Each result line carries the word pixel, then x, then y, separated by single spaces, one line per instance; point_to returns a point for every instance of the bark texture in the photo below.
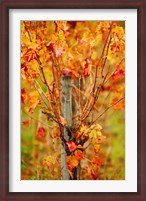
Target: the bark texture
pixel 66 106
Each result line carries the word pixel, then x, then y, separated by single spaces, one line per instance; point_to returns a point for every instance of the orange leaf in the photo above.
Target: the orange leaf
pixel 96 160
pixel 71 162
pixel 120 105
pixel 63 120
pixel 79 146
pixel 30 55
pixel 78 154
pixel 74 161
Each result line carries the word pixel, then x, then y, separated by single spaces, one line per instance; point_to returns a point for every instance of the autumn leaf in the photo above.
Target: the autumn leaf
pixel 95 134
pixel 85 136
pixel 98 127
pixel 97 140
pixel 78 154
pixel 37 45
pixel 96 160
pixel 74 161
pixel 30 55
pixel 71 145
pixel 24 96
pixel 59 51
pixel 120 105
pixel 84 129
pixel 50 46
pixel 26 123
pixel 78 135
pixel 63 120
pixel 41 132
pixel 49 161
pixel 92 134
pixel 118 74
pixel 92 54
pixel 86 68
pixel 86 72
pixel 96 148
pixel 79 146
pixel 71 162
pixel 69 72
pixel 34 105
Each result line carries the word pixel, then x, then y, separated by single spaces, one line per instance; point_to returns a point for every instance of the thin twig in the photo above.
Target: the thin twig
pixel 38 120
pixel 27 31
pixel 108 109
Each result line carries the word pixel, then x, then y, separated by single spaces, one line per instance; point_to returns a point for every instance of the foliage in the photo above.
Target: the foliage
pixel 92 53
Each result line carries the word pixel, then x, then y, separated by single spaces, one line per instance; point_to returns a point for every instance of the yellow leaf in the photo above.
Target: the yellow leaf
pixel 99 133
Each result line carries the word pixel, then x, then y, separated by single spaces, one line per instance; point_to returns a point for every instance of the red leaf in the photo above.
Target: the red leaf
pixel 71 145
pixel 86 72
pixel 50 46
pixel 85 135
pixel 118 74
pixel 23 91
pixel 86 68
pixel 41 132
pixel 26 123
pixel 23 96
pixel 23 66
pixel 22 99
pixel 87 63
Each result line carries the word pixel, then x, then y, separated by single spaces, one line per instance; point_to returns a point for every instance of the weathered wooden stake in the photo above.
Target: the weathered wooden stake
pixel 66 106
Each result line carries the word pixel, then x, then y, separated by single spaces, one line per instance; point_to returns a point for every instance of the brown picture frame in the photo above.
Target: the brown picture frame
pixel 6 5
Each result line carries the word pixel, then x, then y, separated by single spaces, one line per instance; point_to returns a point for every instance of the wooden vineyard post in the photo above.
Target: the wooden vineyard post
pixel 66 106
